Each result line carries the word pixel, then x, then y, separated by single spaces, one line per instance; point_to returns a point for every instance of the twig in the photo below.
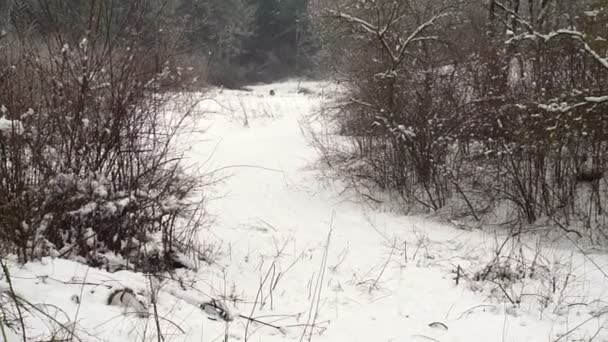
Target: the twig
pixel 580 325
pixel 153 300
pixel 257 298
pixel 251 319
pixel 458 273
pixel 375 284
pixel 319 284
pixel 475 307
pixel 504 292
pixel 79 304
pixel 14 297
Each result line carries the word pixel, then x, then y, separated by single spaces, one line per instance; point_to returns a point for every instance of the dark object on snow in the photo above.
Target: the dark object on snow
pixel 174 260
pixel 589 176
pixel 272 92
pixel 304 91
pixel 158 262
pixel 128 299
pixel 217 311
pixel 438 325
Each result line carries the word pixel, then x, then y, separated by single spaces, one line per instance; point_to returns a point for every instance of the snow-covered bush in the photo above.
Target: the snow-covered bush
pixel 513 117
pixel 87 124
pixel 395 66
pixel 543 139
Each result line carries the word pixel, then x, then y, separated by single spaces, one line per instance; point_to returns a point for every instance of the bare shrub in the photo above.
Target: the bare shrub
pixel 403 136
pixel 87 166
pixel 512 118
pixel 542 134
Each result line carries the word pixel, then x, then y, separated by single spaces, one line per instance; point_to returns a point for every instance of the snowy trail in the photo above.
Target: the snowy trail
pixel 370 292
pixel 385 277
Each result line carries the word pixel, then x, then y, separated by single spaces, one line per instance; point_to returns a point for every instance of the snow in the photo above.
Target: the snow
pixel 170 204
pixel 10 126
pixel 594 13
pixel 290 248
pixel 99 189
pixel 85 210
pixel 597 99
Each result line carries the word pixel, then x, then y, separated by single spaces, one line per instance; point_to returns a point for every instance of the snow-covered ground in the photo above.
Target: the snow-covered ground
pixel 290 249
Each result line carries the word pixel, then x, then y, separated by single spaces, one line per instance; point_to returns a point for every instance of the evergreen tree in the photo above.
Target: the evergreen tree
pixel 284 39
pixel 218 27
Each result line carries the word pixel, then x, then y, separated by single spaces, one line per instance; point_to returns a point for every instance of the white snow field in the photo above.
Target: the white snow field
pixel 314 264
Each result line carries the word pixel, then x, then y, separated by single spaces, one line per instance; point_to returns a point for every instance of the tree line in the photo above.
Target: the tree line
pixel 231 42
pixel 246 41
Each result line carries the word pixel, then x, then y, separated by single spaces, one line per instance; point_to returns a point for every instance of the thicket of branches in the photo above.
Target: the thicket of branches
pixel 475 105
pixel 87 121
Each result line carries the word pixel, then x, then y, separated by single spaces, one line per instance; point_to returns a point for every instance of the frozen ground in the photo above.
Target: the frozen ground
pixel 314 264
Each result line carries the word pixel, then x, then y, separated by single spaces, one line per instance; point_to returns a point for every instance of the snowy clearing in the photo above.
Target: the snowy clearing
pixel 291 251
